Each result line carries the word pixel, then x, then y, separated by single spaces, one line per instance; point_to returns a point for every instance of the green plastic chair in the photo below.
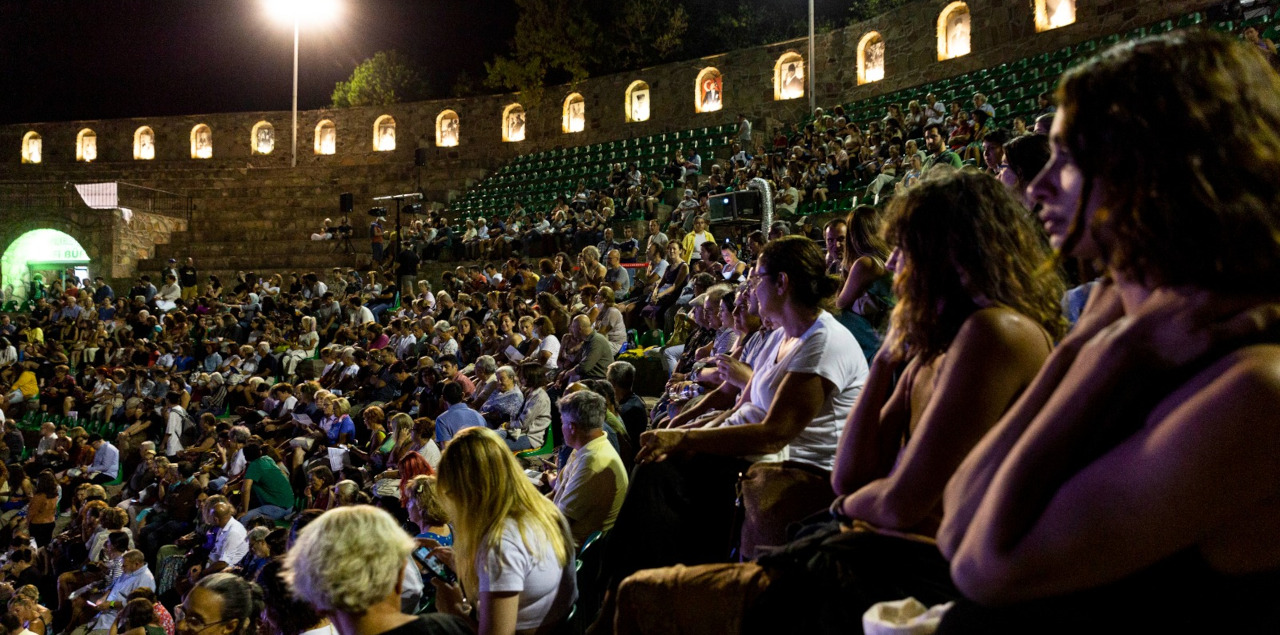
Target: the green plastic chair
pixel 119 477
pixel 548 447
pixel 653 338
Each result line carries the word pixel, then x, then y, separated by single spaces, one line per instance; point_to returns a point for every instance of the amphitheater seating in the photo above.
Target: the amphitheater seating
pixel 537 179
pixel 1012 89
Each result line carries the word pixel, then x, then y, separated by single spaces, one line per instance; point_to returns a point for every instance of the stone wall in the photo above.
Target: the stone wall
pixel 136 240
pixel 1002 31
pixel 240 199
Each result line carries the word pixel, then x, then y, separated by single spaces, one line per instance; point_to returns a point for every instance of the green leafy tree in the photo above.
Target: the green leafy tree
pixel 556 39
pixel 389 77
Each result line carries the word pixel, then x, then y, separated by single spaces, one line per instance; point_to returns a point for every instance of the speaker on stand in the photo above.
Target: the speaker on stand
pixel 346 205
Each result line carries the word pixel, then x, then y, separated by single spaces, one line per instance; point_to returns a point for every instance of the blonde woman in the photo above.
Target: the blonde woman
pixel 513 552
pixel 302 348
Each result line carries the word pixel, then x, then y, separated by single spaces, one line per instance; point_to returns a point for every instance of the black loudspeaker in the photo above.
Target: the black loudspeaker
pixel 733 206
pixel 347 202
pixel 420 157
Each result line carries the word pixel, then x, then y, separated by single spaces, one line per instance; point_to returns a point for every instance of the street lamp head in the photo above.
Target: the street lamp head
pixel 304 11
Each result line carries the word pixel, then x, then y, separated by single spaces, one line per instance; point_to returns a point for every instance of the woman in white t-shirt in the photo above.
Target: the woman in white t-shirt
pixel 548 351
pixel 609 319
pixel 806 379
pixel 512 548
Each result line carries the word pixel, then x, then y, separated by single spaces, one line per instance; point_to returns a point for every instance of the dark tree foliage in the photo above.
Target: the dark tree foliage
pixel 566 41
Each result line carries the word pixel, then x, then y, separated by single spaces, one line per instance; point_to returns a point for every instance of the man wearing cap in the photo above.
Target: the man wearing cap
pixel 685 210
pixel 445 341
pixel 171 268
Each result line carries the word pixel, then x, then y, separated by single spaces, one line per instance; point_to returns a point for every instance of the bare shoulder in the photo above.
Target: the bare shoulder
pixel 1002 328
pixel 867 263
pixel 1247 378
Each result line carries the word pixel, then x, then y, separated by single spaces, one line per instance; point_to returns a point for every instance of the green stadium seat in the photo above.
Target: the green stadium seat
pixel 1256 21
pixel 1190 20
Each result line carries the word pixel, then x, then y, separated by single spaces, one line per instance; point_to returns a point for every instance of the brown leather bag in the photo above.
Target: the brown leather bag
pixel 775 495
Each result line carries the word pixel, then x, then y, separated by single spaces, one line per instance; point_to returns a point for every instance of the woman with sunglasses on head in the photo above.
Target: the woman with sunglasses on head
pixel 1134 486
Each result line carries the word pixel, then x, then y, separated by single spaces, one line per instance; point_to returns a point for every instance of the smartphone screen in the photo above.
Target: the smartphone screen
pixel 434 564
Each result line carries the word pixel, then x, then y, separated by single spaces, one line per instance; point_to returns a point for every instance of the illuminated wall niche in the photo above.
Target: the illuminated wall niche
pixel 326 137
pixel 788 77
pixel 637 102
pixel 953 31
pixel 575 114
pixel 86 145
pixel 513 123
pixel 708 91
pixel 32 146
pixel 447 129
pixel 144 144
pixel 201 142
pixel 870 58
pixel 1051 14
pixel 262 138
pixel 384 134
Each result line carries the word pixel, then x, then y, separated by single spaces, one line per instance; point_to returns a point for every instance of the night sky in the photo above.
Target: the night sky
pixel 101 59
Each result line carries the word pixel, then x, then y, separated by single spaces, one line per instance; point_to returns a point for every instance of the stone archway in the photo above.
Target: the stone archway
pixel 35 251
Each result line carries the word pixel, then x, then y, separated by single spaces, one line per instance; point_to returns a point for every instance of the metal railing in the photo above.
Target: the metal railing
pixel 20 196
pixel 153 201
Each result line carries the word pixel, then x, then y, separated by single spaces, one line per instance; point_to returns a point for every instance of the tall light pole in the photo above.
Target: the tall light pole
pixel 293 159
pixel 297 11
pixel 812 63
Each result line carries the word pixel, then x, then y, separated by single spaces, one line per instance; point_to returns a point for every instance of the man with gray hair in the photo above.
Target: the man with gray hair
pixel 134 575
pixel 590 489
pixel 622 376
pixel 485 380
pixel 596 354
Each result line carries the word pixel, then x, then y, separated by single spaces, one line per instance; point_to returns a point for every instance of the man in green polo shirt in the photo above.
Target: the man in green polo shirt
pixel 265 484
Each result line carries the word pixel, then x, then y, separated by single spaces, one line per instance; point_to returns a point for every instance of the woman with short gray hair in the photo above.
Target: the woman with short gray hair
pixel 349 564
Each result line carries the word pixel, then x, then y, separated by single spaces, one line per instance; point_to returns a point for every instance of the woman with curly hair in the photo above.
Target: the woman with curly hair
pixel 976 317
pixel 1139 469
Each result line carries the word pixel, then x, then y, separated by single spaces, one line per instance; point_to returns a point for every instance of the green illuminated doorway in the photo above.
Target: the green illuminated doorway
pixel 47 254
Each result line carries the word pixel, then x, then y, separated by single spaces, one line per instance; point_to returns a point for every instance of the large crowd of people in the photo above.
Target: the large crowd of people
pixel 637 426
